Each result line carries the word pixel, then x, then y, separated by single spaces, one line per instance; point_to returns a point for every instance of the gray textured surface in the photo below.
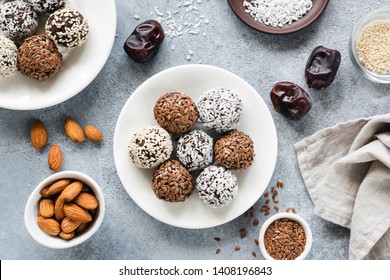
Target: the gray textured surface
pixel 128 232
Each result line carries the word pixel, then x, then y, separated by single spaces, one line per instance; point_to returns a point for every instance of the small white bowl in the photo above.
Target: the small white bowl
pixel 31 212
pixel 291 216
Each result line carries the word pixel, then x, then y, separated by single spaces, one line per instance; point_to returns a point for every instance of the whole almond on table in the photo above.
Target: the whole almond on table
pixel 38 135
pixel 75 212
pixel 54 158
pixel 69 225
pixel 93 133
pixel 74 130
pixel 71 191
pixel 50 226
pixel 46 208
pixel 86 201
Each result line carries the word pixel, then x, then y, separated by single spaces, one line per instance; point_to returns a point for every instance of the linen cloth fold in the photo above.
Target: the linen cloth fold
pixel 346 169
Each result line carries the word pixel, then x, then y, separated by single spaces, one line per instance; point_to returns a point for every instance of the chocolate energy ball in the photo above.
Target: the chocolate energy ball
pixel 217 186
pixel 39 57
pixel 150 146
pixel 219 109
pixel 176 112
pixel 68 28
pixel 47 6
pixel 234 150
pixel 172 182
pixel 18 20
pixel 8 58
pixel 195 150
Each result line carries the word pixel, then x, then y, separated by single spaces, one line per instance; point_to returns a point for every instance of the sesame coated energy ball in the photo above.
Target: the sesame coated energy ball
pixel 234 150
pixel 172 182
pixel 39 58
pixel 195 150
pixel 47 6
pixel 17 20
pixel 8 58
pixel 176 112
pixel 68 28
pixel 217 186
pixel 150 146
pixel 219 109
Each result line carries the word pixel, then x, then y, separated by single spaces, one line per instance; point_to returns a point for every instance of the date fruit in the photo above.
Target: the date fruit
pixel 321 67
pixel 290 100
pixel 144 43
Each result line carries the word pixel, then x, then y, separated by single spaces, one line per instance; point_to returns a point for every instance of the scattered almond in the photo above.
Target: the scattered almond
pixel 86 201
pixel 38 135
pixel 93 133
pixel 46 208
pixel 75 212
pixel 58 187
pixel 50 226
pixel 71 191
pixel 54 158
pixel 68 225
pixel 74 130
pixel 67 236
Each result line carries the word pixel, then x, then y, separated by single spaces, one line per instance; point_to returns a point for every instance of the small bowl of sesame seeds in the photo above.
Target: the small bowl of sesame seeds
pixel 369 46
pixel 285 236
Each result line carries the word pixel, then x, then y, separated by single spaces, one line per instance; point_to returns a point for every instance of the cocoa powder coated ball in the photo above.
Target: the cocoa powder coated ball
pixel 176 112
pixel 234 150
pixel 39 57
pixel 172 182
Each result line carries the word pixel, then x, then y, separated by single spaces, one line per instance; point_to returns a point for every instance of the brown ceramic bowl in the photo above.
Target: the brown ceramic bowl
pixel 317 9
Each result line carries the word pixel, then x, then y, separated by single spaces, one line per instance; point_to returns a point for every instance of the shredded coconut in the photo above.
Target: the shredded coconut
pixel 277 13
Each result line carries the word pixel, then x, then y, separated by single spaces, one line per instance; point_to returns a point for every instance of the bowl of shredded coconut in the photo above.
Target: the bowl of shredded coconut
pixel 278 16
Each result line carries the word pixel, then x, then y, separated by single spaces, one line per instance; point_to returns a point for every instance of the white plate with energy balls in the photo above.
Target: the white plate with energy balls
pixel 163 191
pixel 53 74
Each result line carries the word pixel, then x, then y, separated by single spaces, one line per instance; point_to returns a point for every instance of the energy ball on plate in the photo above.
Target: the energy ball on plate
pixel 68 28
pixel 195 150
pixel 39 57
pixel 220 109
pixel 176 112
pixel 47 6
pixel 8 58
pixel 234 150
pixel 172 182
pixel 18 20
pixel 217 186
pixel 150 146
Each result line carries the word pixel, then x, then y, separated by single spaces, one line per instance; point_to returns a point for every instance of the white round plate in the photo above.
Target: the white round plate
pixel 256 121
pixel 80 66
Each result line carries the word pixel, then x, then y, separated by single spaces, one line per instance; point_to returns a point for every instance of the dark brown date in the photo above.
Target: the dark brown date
pixel 144 43
pixel 290 100
pixel 321 67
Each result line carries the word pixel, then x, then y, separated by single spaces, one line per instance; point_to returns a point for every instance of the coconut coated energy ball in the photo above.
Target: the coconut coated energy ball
pixel 176 112
pixel 18 20
pixel 234 150
pixel 47 6
pixel 8 58
pixel 68 28
pixel 219 109
pixel 217 186
pixel 172 182
pixel 150 146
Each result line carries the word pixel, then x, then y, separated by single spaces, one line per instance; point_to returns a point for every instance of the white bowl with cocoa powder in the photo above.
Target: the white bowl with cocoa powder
pixel 285 236
pixel 97 214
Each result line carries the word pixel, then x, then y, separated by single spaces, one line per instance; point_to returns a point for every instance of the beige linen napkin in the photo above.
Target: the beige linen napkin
pixel 346 169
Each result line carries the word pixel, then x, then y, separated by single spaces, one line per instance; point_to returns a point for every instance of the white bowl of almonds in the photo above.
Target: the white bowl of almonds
pixel 64 210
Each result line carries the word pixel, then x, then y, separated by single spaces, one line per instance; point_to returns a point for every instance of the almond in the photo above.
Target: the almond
pixel 74 130
pixel 82 227
pixel 93 133
pixel 54 158
pixel 68 225
pixel 43 192
pixel 75 212
pixel 46 208
pixel 71 191
pixel 59 210
pixel 86 201
pixel 67 236
pixel 58 187
pixel 50 226
pixel 38 135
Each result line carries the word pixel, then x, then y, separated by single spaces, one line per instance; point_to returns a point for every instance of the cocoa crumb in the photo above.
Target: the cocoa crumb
pixel 266 195
pixel 256 242
pixel 218 251
pixel 276 201
pixel 293 210
pixel 280 184
pixel 276 208
pixel 255 222
pixel 237 248
pixel 288 210
pixel 217 239
pixel 267 201
pixel 254 254
pixel 243 233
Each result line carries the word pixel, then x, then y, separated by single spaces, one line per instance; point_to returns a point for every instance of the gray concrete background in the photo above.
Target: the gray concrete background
pixel 129 233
